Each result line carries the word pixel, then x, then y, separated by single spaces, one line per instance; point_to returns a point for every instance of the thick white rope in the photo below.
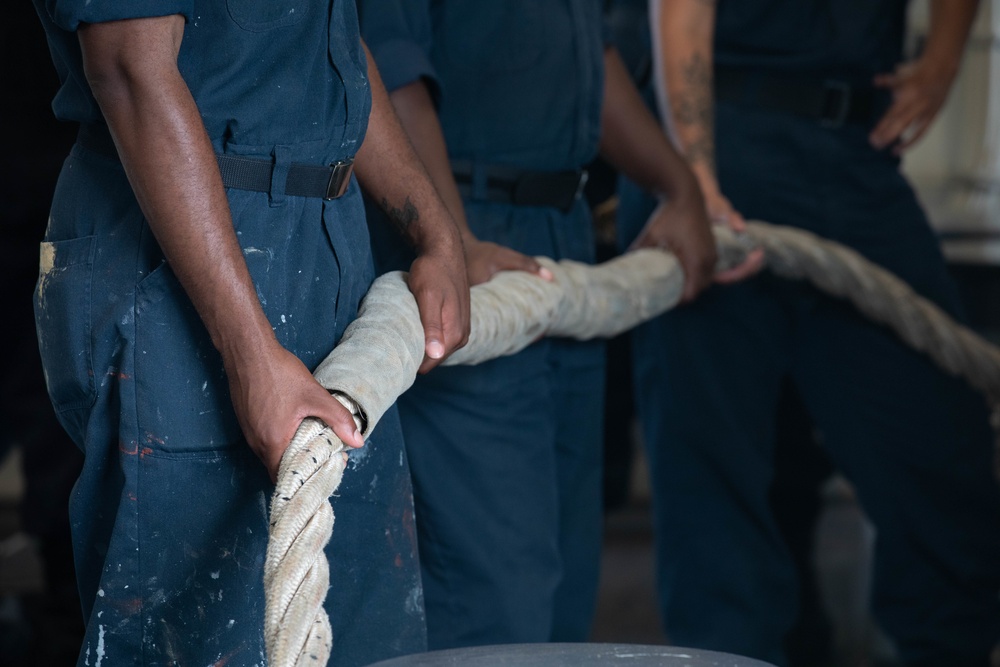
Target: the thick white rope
pixel 883 298
pixel 377 360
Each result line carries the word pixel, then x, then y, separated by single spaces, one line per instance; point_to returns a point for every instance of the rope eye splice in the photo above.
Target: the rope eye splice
pixel 378 356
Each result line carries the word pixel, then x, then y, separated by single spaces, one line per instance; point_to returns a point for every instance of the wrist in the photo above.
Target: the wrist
pixel 439 233
pixel 941 65
pixel 684 191
pixel 705 175
pixel 241 343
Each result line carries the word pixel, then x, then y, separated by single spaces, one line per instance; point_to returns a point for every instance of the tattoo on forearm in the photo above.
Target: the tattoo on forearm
pixel 693 109
pixel 403 218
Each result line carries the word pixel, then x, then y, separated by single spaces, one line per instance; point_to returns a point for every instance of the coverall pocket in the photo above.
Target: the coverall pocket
pixel 182 394
pixel 62 317
pixel 261 15
pixel 203 521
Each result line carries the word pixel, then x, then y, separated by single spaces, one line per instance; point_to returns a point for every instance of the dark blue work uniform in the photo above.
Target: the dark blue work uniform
pixel 915 442
pixel 170 514
pixel 506 456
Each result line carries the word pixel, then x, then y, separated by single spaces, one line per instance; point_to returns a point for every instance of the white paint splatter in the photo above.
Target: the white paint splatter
pixel 100 592
pixel 215 575
pixel 100 646
pixel 356 457
pixel 414 601
pixel 230 624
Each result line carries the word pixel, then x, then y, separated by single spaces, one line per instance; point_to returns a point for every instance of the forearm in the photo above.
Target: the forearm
pixel 388 168
pixel 633 141
pixel 418 117
pixel 392 174
pixel 950 23
pixel 682 39
pixel 172 169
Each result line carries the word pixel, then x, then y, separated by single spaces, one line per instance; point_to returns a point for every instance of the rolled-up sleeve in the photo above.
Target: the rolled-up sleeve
pixel 399 35
pixel 69 14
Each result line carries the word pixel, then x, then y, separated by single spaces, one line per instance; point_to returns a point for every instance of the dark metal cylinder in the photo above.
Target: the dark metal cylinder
pixel 572 655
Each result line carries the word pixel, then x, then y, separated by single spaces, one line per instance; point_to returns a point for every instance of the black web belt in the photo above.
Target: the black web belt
pixel 521 187
pixel 829 102
pixel 250 173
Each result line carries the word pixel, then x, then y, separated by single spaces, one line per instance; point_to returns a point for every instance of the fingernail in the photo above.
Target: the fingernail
pixel 435 350
pixel 545 274
pixel 359 440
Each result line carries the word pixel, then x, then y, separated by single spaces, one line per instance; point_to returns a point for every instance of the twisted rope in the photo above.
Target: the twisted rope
pixel 378 357
pixel 883 298
pixel 296 572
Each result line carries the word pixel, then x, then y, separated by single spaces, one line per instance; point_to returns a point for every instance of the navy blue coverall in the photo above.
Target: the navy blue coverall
pixel 170 514
pixel 915 442
pixel 506 456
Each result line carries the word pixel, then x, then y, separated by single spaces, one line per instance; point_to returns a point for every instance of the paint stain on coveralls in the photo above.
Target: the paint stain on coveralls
pixel 46 265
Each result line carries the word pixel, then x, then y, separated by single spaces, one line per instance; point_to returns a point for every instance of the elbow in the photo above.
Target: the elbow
pixel 123 60
pixel 109 80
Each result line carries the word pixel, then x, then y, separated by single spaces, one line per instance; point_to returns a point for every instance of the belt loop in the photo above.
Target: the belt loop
pixel 279 175
pixel 835 105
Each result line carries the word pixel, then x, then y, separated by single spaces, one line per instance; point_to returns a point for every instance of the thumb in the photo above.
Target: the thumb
pixel 434 335
pixel 736 222
pixel 531 265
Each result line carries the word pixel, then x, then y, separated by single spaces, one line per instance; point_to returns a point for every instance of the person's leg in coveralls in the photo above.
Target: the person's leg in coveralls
pixel 170 513
pixel 506 455
pixel 915 442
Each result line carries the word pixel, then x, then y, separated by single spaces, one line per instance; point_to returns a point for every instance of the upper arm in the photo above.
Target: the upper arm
pixel 129 52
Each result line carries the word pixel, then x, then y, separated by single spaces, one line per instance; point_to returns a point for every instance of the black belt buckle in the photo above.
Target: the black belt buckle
pixel 340 178
pixel 836 104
